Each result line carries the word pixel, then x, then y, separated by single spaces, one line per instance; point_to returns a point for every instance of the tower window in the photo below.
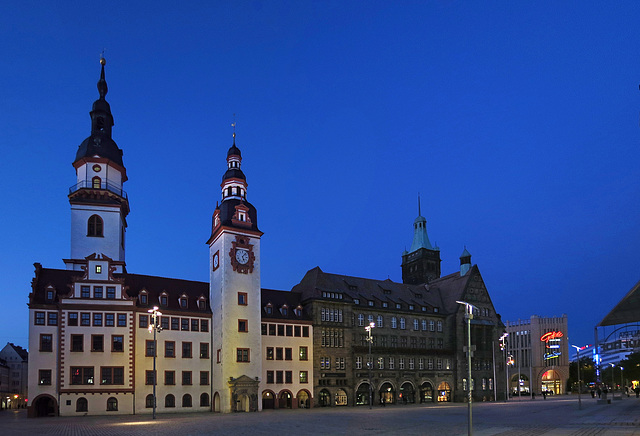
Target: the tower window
pixel 94 226
pixel 96 182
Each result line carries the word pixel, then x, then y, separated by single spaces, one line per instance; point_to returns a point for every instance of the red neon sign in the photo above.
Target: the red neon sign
pixel 551 335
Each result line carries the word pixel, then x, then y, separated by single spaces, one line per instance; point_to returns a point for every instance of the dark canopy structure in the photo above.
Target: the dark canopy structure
pixel 626 311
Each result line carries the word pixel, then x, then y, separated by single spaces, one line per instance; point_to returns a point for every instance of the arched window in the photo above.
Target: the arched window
pixel 169 401
pixel 96 182
pixel 94 226
pixel 204 400
pixel 81 405
pixel 112 404
pixel 186 400
pixel 148 402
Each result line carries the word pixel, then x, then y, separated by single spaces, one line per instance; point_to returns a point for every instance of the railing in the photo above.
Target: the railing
pixel 88 184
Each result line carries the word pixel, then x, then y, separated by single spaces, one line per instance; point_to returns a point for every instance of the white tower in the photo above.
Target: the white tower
pixel 99 206
pixel 234 253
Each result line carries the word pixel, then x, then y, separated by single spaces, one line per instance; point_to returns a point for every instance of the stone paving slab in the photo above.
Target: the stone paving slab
pixel 559 416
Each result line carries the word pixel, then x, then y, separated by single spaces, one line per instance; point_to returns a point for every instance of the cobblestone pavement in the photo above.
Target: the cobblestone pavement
pixel 551 417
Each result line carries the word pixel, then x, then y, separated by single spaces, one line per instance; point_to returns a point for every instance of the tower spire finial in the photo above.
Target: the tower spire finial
pixel 419 212
pixel 102 83
pixel 234 129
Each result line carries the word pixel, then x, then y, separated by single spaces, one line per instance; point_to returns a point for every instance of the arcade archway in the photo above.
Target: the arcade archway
pixel 426 393
pixel 444 392
pixel 552 382
pixel 44 405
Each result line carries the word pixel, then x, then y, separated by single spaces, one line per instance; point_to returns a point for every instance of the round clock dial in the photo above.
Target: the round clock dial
pixel 96 168
pixel 242 256
pixel 216 261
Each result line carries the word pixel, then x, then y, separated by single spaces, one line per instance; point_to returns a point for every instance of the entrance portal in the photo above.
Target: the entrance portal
pixel 44 406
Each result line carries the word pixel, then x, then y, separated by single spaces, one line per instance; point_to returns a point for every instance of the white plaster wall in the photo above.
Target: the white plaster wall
pixel 83 245
pixel 41 360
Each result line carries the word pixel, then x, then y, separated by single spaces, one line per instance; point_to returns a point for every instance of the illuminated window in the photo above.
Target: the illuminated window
pixel 112 405
pixel 44 377
pixel 96 182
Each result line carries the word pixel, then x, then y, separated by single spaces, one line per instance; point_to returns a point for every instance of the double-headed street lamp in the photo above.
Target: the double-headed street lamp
pixel 369 328
pixel 579 398
pixel 503 347
pixel 155 327
pixel 469 316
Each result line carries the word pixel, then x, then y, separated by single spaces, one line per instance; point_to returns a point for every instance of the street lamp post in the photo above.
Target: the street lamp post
pixel 503 347
pixel 621 380
pixel 579 398
pixel 369 328
pixel 469 316
pixel 613 382
pixel 156 328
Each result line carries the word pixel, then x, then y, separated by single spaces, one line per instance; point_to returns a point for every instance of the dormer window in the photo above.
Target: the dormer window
pixel 50 294
pixel 183 302
pixel 385 304
pixel 370 303
pixel 356 301
pixel 241 216
pixel 435 310
pixel 284 310
pixel 268 309
pixel 202 303
pixel 98 269
pixel 411 307
pixel 143 298
pixel 424 308
pixel 164 299
pixel 298 311
pixel 398 306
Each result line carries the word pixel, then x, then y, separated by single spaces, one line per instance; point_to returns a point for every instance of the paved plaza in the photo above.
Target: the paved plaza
pixel 553 416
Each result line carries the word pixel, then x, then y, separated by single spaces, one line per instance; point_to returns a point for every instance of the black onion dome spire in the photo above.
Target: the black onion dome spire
pixel 100 142
pixel 234 171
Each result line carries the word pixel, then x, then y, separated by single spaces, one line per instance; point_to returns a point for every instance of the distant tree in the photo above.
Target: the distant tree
pixel 587 372
pixel 631 367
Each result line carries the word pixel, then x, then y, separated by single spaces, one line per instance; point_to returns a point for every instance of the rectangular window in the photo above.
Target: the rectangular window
pixel 186 350
pixel 149 377
pixel 430 363
pixel 109 319
pixel 204 325
pixel 305 332
pixel 77 342
pixel 242 298
pixel 143 321
pixel 411 363
pixel 150 349
pixel 97 342
pixel 98 269
pixel 289 330
pixel 440 343
pixel 288 354
pixel 204 378
pixel 73 318
pixel 359 362
pixel 269 353
pixel 97 292
pixel 272 329
pixel 392 363
pixel 279 353
pixel 242 326
pixel 421 363
pixel 440 326
pixel 117 343
pixel 280 329
pixel 186 378
pixel 242 355
pixel 303 354
pixel 184 324
pixel 175 323
pixel 204 350
pixel 46 342
pixel 52 318
pixel 401 363
pixel 263 329
pixel 169 349
pixel 44 377
pixel 85 319
pixel 82 375
pixel 269 377
pixel 97 320
pixel 304 377
pixel 85 292
pixel 39 319
pixel 195 325
pixel 112 375
pixel 164 322
pixel 288 376
pixel 122 320
pixel 380 362
pixel 169 377
pixel 279 377
pixel 111 293
pixel 296 331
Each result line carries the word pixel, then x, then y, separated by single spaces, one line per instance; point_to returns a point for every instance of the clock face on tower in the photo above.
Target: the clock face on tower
pixel 216 260
pixel 242 256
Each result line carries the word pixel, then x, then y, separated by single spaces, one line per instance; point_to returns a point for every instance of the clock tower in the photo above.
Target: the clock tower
pixel 421 264
pixel 234 253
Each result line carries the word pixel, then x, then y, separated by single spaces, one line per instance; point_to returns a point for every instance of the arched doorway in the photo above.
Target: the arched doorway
pixel 325 398
pixel 243 403
pixel 216 402
pixel 268 400
pixel 303 400
pixel 387 394
pixel 341 397
pixel 551 381
pixel 44 405
pixel 285 400
pixel 407 393
pixel 519 385
pixel 444 392
pixel 426 393
pixel 362 394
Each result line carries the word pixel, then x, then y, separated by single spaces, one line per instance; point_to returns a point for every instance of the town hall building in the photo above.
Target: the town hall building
pixel 230 345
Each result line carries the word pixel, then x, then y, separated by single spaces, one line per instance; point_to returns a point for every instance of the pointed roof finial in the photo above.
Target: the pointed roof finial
pixel 419 212
pixel 234 129
pixel 102 83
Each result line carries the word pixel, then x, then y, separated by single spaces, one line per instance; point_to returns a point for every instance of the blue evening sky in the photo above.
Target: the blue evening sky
pixel 516 121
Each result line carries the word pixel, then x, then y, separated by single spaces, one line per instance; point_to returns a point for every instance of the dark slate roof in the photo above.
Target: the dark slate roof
pixel 626 311
pixel 228 209
pixel 100 144
pixel 278 299
pixel 24 354
pixel 439 293
pixel 233 173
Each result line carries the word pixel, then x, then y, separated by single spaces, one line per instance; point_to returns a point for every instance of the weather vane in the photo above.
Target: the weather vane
pixel 102 59
pixel 234 126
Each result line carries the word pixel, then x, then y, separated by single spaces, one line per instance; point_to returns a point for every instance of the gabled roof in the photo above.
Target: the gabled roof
pixel 21 352
pixel 626 311
pixel 441 293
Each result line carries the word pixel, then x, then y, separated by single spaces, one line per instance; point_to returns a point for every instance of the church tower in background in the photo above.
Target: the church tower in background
pixel 421 264
pixel 99 205
pixel 234 253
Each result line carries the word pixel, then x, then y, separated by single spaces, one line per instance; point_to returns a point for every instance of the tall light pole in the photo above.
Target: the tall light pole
pixel 369 328
pixel 621 380
pixel 503 347
pixel 579 398
pixel 613 382
pixel 156 328
pixel 469 316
